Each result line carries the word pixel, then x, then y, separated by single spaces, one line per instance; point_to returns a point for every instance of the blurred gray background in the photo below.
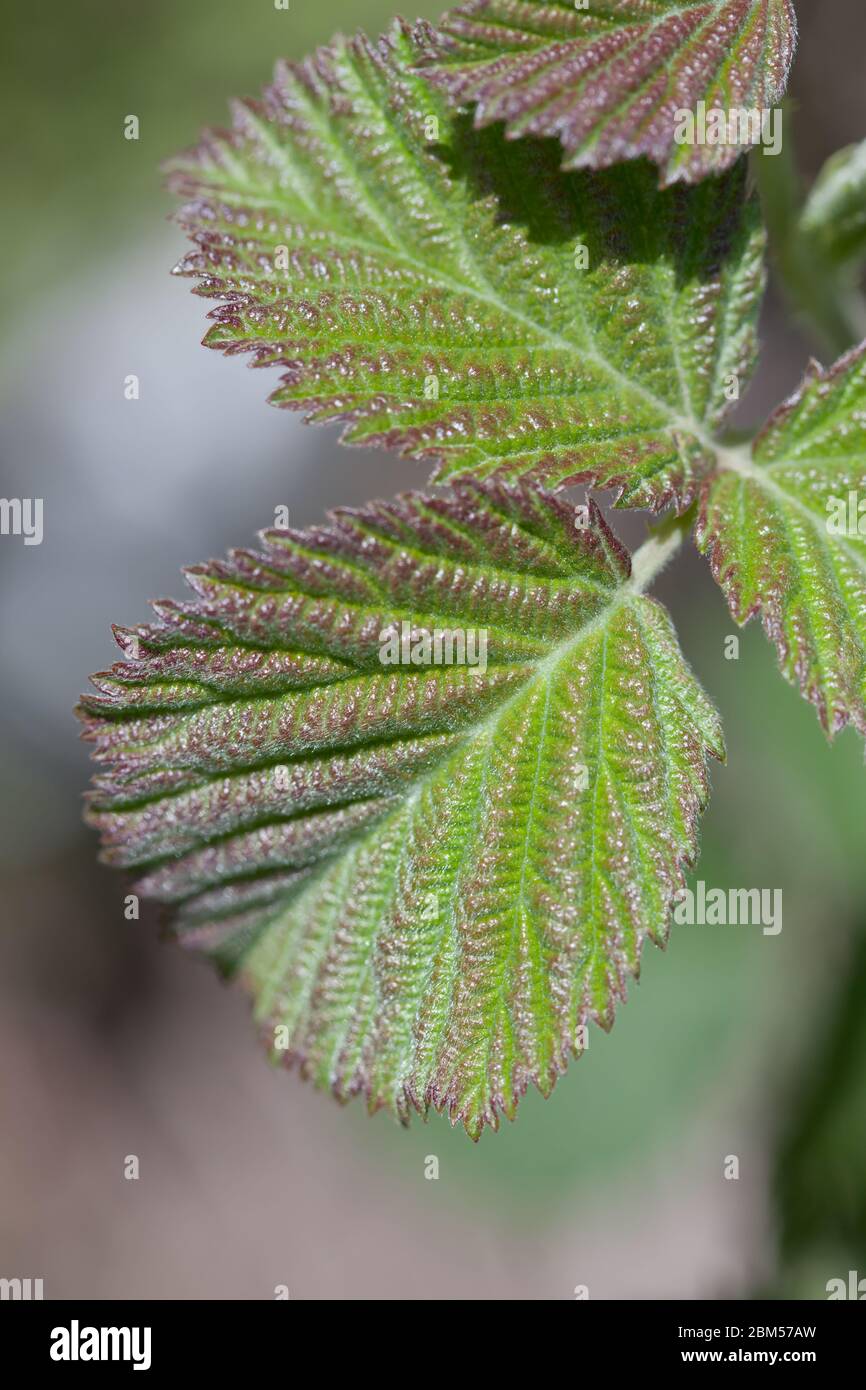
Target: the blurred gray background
pixel 112 1043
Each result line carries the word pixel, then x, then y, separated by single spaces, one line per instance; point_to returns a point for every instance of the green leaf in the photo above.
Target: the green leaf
pixel 607 80
pixel 835 212
pixel 785 530
pixel 433 296
pixel 430 876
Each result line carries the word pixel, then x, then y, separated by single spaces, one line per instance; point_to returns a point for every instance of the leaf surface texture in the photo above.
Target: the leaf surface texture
pixel 431 877
pixel 608 80
pixel 458 298
pixel 785 531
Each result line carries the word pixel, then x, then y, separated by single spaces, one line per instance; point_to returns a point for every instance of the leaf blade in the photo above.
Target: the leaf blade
pixel 407 869
pixel 431 300
pixel 835 211
pixel 782 535
pixel 607 81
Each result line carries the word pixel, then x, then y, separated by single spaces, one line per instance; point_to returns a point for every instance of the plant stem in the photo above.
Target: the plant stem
pixel 659 549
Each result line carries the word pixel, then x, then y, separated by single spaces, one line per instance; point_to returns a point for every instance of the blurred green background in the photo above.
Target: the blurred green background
pixel 113 1044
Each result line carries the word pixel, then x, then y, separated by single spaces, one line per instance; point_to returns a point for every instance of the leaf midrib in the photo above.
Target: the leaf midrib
pixel 760 474
pixel 482 729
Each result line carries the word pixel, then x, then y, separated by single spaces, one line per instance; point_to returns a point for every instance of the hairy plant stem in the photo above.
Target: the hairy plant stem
pixel 833 307
pixel 659 549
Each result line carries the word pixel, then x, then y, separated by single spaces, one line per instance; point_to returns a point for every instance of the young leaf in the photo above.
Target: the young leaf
pixel 461 300
pixel 785 531
pixel 835 213
pixel 609 79
pixel 430 876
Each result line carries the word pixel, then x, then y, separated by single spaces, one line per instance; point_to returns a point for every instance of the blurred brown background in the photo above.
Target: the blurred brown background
pixel 114 1044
